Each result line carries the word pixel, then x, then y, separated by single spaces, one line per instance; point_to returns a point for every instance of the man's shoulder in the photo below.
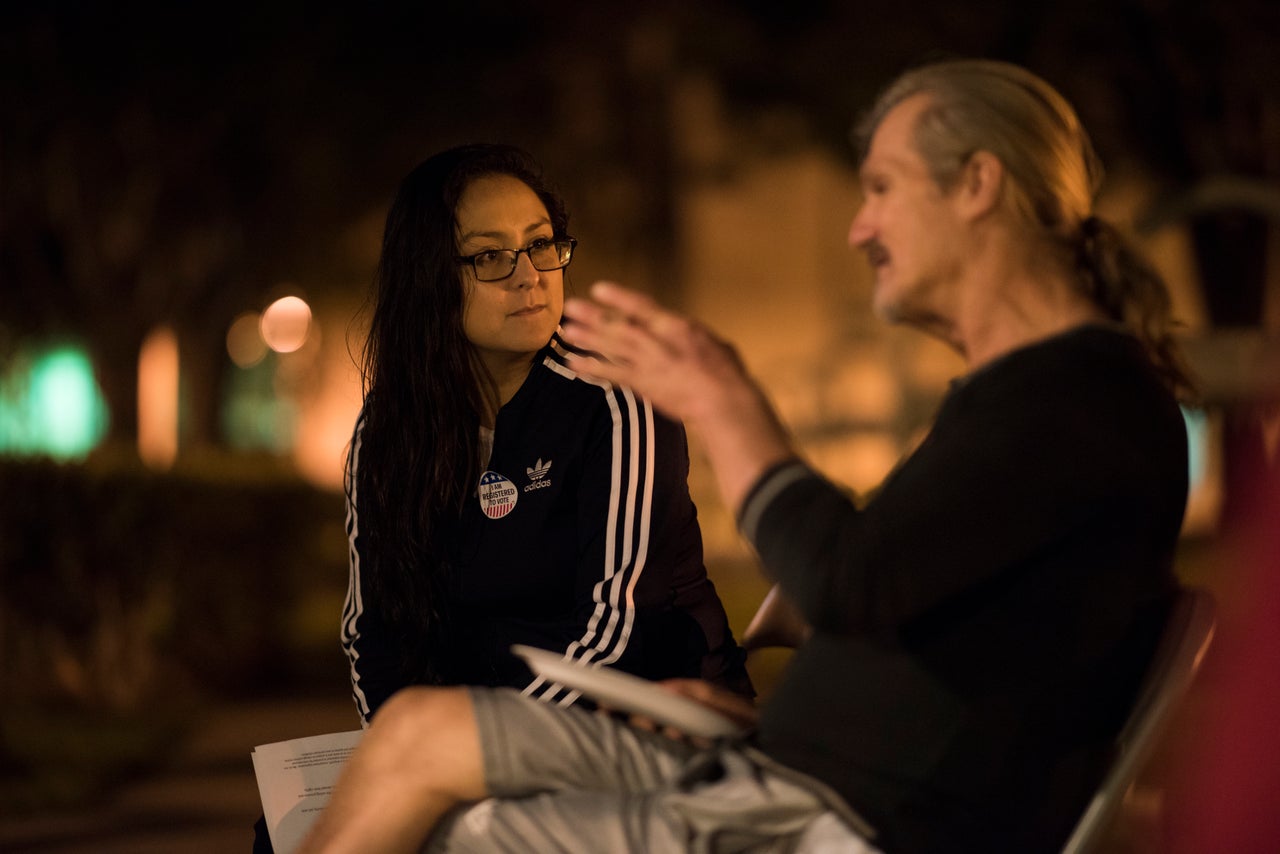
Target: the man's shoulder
pixel 1093 358
pixel 1093 380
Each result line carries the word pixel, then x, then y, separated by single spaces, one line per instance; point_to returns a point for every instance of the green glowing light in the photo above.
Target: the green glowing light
pixel 50 404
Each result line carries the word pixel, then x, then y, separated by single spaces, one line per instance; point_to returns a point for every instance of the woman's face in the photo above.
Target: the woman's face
pixel 510 319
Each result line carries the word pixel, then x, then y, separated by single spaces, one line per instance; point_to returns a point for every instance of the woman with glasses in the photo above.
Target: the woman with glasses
pixel 494 497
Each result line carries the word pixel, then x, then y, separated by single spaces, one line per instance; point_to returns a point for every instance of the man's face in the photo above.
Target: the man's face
pixel 906 225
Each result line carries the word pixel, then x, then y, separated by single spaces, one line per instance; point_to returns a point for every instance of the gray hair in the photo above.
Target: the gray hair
pixel 985 105
pixel 1054 174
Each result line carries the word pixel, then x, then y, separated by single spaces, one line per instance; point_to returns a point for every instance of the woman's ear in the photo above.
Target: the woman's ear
pixel 981 183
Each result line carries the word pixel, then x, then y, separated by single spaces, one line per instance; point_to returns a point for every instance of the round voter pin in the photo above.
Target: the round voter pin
pixel 497 495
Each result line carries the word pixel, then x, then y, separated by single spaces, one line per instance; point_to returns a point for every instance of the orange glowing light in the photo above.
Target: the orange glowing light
pixel 285 324
pixel 158 399
pixel 244 342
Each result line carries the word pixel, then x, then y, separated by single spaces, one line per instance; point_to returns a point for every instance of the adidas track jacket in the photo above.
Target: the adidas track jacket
pixel 580 537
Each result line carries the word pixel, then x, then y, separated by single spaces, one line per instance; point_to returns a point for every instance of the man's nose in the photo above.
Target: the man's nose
pixel 860 230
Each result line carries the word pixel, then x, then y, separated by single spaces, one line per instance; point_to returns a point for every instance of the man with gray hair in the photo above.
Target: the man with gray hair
pixel 979 627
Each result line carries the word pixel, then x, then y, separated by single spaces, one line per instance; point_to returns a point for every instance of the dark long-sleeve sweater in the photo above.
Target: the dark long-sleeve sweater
pixel 981 625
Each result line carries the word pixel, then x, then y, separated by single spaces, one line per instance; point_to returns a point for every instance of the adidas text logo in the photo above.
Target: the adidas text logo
pixel 538 475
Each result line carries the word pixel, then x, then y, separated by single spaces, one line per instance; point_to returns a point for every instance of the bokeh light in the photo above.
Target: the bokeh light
pixel 244 340
pixel 53 407
pixel 158 381
pixel 286 324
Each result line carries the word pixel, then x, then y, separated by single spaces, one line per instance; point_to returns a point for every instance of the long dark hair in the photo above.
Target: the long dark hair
pixel 424 392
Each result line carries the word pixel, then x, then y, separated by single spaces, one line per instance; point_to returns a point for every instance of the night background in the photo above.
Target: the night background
pixel 179 166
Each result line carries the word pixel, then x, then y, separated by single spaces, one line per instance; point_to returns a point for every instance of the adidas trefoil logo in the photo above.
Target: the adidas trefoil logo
pixel 538 475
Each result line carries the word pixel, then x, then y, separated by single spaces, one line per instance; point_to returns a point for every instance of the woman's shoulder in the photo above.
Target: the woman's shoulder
pixel 560 393
pixel 557 373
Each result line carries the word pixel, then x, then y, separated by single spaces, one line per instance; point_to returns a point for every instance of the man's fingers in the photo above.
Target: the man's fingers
pixel 610 305
pixel 635 306
pixel 614 338
pixel 615 308
pixel 731 705
pixel 609 371
pixel 583 312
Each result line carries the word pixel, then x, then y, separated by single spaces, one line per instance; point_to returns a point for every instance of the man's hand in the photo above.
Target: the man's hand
pixel 732 706
pixel 684 370
pixel 678 364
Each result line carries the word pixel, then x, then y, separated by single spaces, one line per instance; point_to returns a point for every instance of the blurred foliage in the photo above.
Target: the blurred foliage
pixel 120 587
pixel 130 599
pixel 153 176
pixel 67 757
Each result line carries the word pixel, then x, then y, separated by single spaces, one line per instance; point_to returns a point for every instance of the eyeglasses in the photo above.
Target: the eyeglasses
pixel 545 255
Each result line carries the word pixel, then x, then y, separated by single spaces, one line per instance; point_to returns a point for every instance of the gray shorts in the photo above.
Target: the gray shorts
pixel 566 780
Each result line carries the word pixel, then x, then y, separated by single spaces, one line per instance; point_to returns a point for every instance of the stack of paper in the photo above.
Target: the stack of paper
pixel 295 778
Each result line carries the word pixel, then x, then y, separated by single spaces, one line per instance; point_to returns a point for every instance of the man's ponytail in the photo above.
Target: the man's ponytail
pixel 1129 290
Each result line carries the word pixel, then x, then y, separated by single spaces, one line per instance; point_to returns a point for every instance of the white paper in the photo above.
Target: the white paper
pixel 295 778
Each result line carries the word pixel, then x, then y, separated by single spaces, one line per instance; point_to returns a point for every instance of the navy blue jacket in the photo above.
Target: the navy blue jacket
pixel 581 538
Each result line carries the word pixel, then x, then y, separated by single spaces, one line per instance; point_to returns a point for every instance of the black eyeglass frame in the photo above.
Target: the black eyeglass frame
pixel 514 255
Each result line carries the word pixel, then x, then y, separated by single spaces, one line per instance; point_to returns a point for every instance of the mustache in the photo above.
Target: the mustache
pixel 876 253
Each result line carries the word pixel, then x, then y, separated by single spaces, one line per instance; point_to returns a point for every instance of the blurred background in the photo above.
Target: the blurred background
pixel 191 204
